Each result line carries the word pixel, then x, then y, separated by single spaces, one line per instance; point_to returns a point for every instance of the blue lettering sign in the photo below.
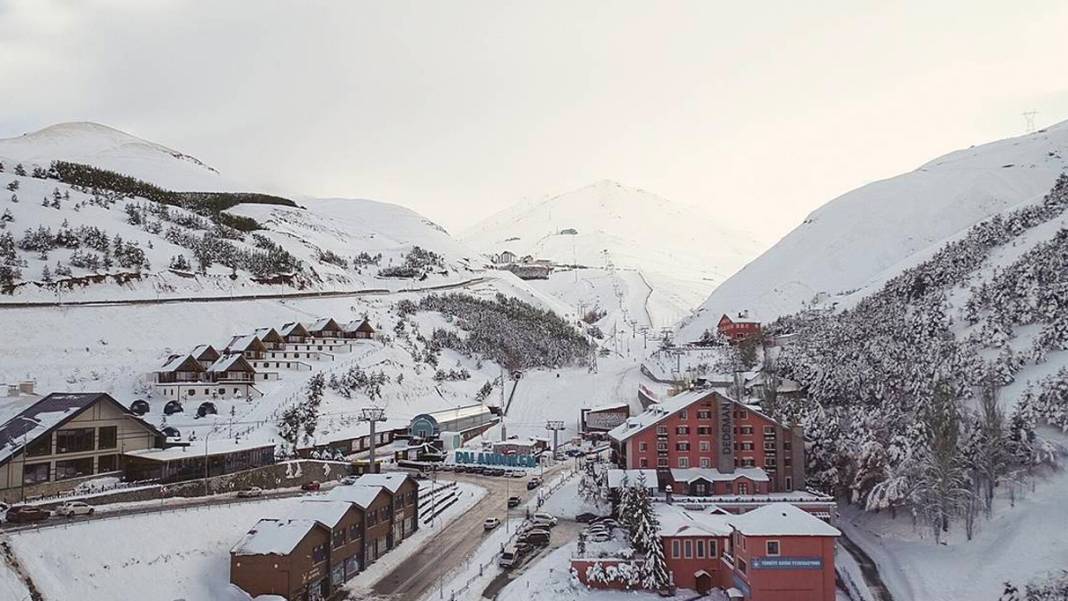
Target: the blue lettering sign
pixel 787 563
pixel 495 459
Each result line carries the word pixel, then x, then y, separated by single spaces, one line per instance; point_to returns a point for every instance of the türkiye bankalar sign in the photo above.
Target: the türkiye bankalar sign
pixel 496 459
pixel 787 563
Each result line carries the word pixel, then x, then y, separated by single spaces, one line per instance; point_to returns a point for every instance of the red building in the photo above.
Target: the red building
pixel 707 430
pixel 738 327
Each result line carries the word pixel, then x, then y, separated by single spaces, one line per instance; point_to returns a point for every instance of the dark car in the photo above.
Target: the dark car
pixel 585 517
pixel 313 485
pixel 27 513
pixel 513 502
pixel 533 483
pixel 537 536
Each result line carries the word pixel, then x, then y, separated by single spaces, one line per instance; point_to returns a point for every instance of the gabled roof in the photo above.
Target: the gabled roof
pixel 359 326
pixel 657 413
pixel 743 316
pixel 391 481
pixel 362 496
pixel 676 521
pixel 205 352
pixel 274 537
pixel 182 363
pixel 782 519
pixel 48 414
pixel 688 475
pixel 248 342
pixel 293 328
pixel 326 323
pixel 326 512
pixel 268 335
pixel 231 363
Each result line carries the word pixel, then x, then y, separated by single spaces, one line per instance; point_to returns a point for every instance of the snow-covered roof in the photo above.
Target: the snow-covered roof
pixel 782 519
pixel 205 352
pixel 243 343
pixel 182 363
pixel 274 537
pixel 358 325
pixel 656 413
pixel 325 511
pixel 200 448
pixel 266 333
pixel 231 363
pixel 676 521
pixel 292 328
pixel 357 429
pixel 609 407
pixel 457 412
pixel 755 474
pixel 391 481
pixel 743 316
pixel 615 478
pixel 322 324
pixel 362 496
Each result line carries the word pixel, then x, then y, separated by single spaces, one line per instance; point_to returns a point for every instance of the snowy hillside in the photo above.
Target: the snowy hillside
pixel 887 225
pixel 681 251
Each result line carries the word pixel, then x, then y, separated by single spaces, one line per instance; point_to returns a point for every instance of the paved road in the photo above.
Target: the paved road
pixel 238 297
pixel 452 545
pixel 868 568
pixel 564 532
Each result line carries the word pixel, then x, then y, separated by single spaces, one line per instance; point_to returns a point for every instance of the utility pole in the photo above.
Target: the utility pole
pixel 372 415
pixel 555 426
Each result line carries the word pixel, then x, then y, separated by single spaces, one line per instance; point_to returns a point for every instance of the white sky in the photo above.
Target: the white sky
pixel 458 109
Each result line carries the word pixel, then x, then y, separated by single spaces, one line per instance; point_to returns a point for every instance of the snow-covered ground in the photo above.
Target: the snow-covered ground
pixel 1017 544
pixel 177 554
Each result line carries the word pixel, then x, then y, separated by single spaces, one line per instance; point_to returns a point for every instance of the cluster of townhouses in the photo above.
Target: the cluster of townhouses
pixel 327 540
pixel 233 371
pixel 728 487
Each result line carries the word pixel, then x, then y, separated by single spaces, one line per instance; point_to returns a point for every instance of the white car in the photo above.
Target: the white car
pixel 491 523
pixel 600 537
pixel 543 519
pixel 73 508
pixel 248 493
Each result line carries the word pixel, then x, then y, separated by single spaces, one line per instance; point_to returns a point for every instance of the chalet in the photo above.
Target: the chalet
pixel 506 256
pixel 229 377
pixel 180 368
pixel 187 461
pixel 325 328
pixel 206 355
pixel 232 368
pixel 404 501
pixel 705 429
pixel 57 442
pixel 271 338
pixel 249 346
pixel 288 558
pixel 377 505
pixel 294 331
pixel 738 327
pixel 358 329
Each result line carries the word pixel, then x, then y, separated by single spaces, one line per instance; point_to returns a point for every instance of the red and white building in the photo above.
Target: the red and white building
pixel 707 431
pixel 738 326
pixel 775 553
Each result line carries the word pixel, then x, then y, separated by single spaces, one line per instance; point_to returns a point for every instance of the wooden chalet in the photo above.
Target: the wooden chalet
pixel 249 347
pixel 358 329
pixel 206 355
pixel 294 331
pixel 325 328
pixel 180 368
pixel 271 338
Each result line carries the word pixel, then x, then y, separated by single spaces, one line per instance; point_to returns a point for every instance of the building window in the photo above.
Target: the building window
pixel 107 463
pixel 769 462
pixel 772 547
pixel 683 415
pixel 661 446
pixel 704 415
pixel 684 462
pixel 107 437
pixel 747 429
pixel 682 446
pixel 769 430
pixel 354 532
pixel 789 483
pixel 675 548
pixel 769 445
pixel 338 536
pixel 706 463
pixel 743 488
pixel 74 440
pixel 661 462
pixel 705 446
pixel 319 553
pixel 661 430
pixel 682 430
pixel 223 390
pixel 41 446
pixel 35 472
pixel 699 548
pixel 643 446
pixel 712 551
pixel 743 414
pixel 704 430
pixel 687 547
pixel 643 462
pixel 74 468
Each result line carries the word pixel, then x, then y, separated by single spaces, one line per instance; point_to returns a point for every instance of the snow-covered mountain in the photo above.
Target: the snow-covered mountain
pixel 863 237
pixel 679 250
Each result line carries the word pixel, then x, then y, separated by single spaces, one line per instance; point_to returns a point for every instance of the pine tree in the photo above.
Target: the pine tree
pixel 20 170
pixel 13 186
pixel 942 489
pixel 46 275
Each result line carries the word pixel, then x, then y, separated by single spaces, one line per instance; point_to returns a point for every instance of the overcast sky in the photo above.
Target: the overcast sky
pixel 458 109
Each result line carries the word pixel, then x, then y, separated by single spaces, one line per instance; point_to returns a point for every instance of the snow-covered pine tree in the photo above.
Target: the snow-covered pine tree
pixel 943 487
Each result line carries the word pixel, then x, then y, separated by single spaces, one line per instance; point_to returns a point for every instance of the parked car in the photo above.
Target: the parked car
pixel 27 513
pixel 509 556
pixel 575 453
pixel 536 536
pixel 598 528
pixel 599 537
pixel 349 480
pixel 248 493
pixel 73 508
pixel 533 483
pixel 517 474
pixel 542 518
pixel 491 523
pixel 513 502
pixel 584 518
pixel 311 485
